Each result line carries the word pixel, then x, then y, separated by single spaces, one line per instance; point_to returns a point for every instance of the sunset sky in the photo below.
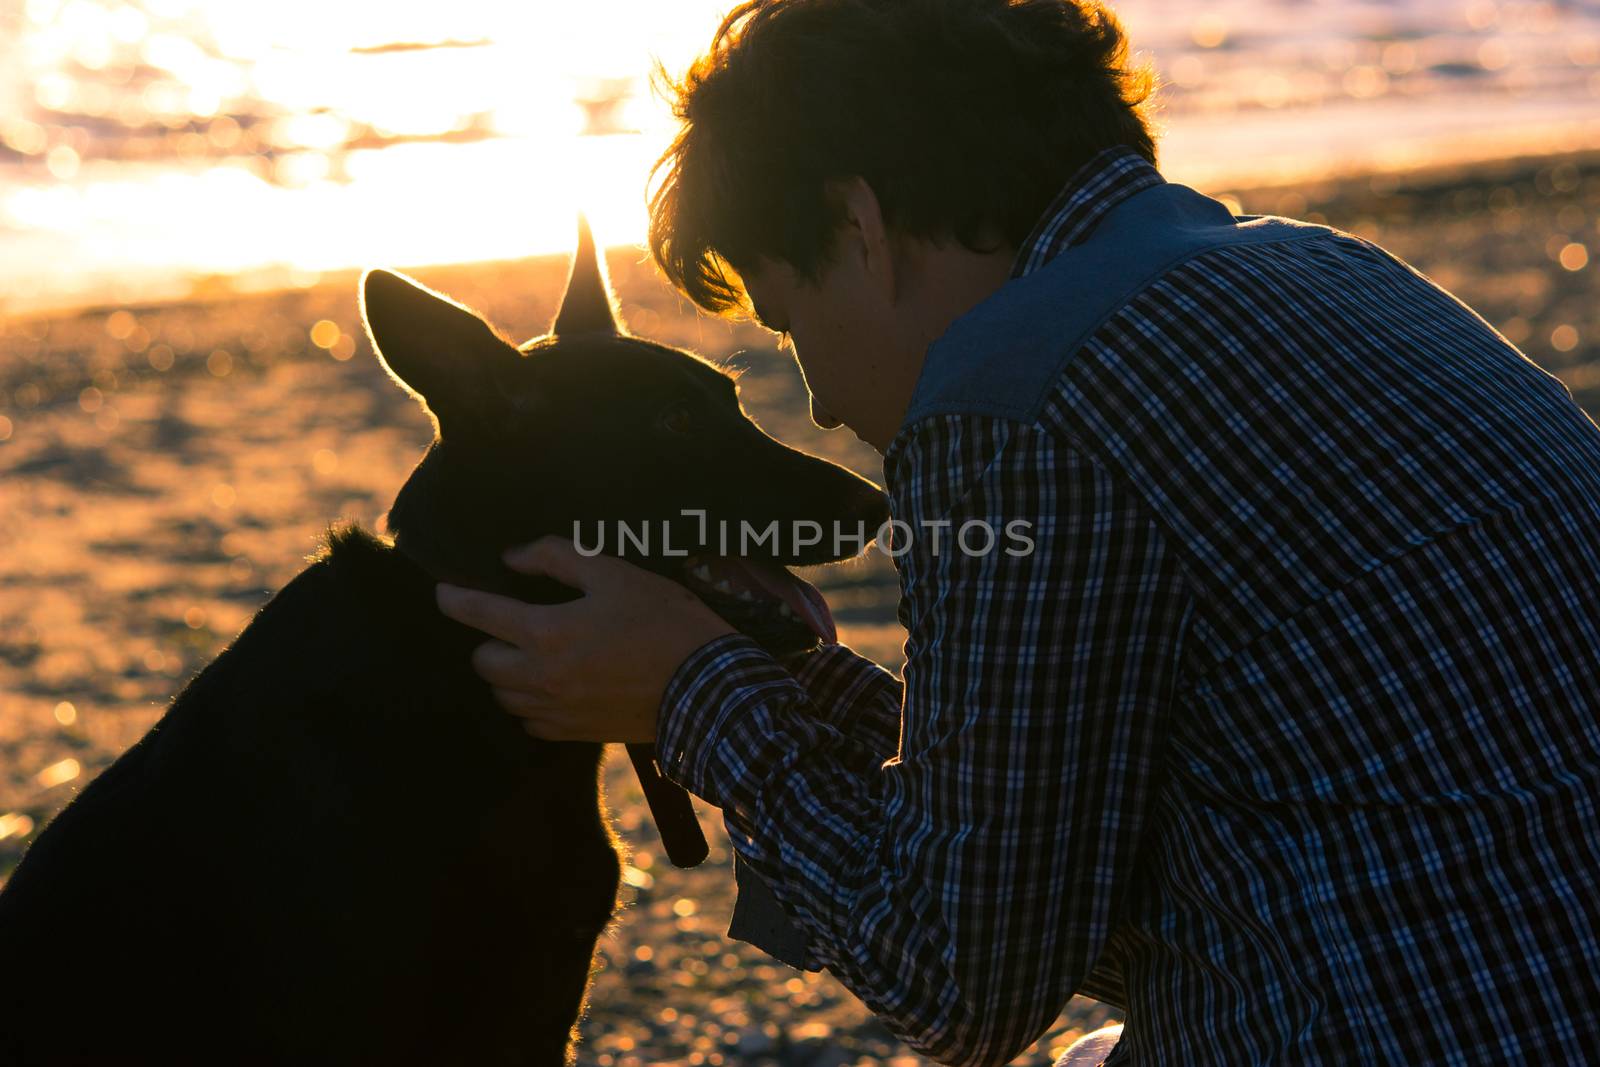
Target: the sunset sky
pixel 146 141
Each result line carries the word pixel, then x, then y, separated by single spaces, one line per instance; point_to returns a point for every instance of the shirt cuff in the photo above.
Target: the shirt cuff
pixel 854 695
pixel 719 678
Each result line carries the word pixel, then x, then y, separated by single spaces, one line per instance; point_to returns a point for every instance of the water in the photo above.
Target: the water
pixel 1272 91
pixel 152 146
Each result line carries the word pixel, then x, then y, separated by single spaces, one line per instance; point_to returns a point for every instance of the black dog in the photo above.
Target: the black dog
pixel 334 847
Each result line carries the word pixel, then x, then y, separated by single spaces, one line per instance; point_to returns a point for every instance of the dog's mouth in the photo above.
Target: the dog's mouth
pixel 781 611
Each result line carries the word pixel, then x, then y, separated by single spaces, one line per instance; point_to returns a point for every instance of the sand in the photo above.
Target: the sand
pixel 164 467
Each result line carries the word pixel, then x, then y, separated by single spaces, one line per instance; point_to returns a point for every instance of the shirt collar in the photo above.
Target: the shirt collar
pixel 1108 179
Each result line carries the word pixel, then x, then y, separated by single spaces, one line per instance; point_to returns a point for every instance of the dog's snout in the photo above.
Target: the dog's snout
pixel 872 506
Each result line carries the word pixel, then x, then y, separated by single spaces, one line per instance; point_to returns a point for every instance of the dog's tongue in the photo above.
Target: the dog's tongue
pixel 777 582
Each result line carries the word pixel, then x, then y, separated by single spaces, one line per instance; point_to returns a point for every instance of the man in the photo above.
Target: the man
pixel 1285 734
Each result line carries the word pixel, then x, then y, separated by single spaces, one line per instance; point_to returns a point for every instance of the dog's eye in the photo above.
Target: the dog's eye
pixel 678 419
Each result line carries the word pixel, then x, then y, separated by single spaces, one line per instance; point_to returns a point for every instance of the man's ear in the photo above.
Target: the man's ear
pixel 864 234
pixel 443 353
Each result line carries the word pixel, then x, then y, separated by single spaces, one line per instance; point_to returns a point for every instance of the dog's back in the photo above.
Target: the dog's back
pixel 333 836
pixel 336 847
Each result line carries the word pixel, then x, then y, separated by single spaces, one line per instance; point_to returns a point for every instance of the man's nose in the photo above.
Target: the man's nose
pixel 823 417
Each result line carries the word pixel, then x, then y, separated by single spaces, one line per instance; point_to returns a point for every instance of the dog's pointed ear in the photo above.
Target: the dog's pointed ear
pixel 434 347
pixel 587 306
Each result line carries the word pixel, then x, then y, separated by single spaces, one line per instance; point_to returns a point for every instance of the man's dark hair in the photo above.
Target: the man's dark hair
pixel 966 117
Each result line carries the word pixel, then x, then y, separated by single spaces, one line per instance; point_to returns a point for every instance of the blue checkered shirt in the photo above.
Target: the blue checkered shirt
pixel 1285 736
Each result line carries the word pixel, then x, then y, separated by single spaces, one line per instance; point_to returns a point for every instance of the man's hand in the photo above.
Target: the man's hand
pixel 593 669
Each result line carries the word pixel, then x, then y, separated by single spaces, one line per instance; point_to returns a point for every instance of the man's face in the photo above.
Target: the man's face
pixel 845 338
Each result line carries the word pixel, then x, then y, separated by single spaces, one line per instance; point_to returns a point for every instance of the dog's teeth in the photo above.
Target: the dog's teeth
pixel 746 595
pixel 785 610
pixel 722 586
pixel 701 572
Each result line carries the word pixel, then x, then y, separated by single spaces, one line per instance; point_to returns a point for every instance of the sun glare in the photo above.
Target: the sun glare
pixel 147 145
pixel 216 138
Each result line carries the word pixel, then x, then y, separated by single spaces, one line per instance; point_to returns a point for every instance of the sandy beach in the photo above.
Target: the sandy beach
pixel 164 467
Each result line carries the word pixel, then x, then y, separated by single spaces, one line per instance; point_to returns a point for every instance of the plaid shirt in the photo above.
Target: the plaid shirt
pixel 1285 737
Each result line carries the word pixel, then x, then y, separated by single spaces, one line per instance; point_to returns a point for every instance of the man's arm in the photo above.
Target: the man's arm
pixel 964 889
pixel 854 695
pixel 862 701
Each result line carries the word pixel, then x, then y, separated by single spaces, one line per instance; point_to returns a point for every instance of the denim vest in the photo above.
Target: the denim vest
pixel 1002 357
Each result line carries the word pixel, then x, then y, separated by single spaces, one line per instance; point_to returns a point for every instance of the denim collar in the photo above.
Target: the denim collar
pixel 1108 179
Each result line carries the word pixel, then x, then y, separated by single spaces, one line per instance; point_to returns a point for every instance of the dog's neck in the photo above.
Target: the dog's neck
pixel 486 572
pixel 466 553
pixel 429 555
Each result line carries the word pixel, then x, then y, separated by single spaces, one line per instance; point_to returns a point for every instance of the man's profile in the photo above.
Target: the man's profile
pixel 1284 737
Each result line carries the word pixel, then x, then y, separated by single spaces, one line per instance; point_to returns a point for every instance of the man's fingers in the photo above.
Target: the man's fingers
pixel 538 719
pixel 540 731
pixel 503 665
pixel 499 616
pixel 521 704
pixel 558 558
